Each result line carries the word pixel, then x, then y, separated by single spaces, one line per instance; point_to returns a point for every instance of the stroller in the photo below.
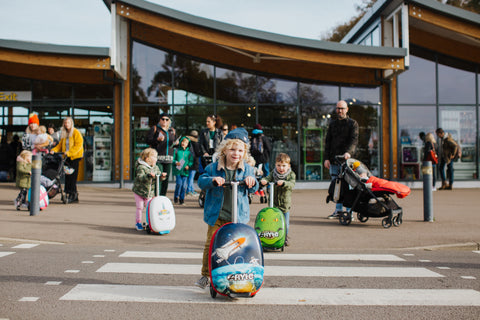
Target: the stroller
pixel 52 174
pixel 359 195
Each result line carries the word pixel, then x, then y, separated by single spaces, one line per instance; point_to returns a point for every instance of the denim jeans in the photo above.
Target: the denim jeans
pixel 191 180
pixel 449 171
pixel 180 187
pixel 287 222
pixel 334 171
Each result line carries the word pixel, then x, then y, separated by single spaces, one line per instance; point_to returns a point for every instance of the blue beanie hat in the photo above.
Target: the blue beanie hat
pixel 238 133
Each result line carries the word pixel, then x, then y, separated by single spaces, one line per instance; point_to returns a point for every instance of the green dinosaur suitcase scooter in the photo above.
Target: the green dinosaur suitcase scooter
pixel 270 226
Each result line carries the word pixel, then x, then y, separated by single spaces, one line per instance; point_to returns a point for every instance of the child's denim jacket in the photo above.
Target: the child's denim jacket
pixel 214 195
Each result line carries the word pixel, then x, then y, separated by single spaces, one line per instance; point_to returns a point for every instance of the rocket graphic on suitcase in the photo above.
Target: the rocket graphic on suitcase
pixel 236 258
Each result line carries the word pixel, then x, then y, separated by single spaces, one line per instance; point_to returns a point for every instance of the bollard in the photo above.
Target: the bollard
pixel 35 186
pixel 427 191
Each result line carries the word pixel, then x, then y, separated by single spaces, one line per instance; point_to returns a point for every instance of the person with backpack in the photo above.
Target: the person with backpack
pixel 450 151
pixel 261 148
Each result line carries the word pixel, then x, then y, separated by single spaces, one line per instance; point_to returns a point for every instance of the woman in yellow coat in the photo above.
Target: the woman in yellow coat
pixel 71 143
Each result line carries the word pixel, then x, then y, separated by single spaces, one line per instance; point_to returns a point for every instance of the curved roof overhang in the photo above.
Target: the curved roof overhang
pixel 445 29
pixel 49 62
pixel 258 51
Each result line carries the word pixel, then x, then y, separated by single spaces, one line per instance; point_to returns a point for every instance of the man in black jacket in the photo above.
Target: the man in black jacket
pixel 341 139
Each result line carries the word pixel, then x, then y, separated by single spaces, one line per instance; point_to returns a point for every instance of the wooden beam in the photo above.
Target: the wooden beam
pixel 223 56
pixel 215 37
pixel 54 74
pixel 443 45
pixel 443 21
pixel 387 130
pixel 55 60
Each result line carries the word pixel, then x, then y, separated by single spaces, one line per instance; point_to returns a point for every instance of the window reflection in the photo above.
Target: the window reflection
pixel 455 85
pixel 417 85
pixel 235 86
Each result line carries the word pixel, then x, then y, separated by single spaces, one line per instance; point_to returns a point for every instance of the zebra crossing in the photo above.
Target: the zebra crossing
pixel 275 295
pixel 313 268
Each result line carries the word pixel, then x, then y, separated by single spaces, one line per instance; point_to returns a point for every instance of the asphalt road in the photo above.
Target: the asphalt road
pixel 86 261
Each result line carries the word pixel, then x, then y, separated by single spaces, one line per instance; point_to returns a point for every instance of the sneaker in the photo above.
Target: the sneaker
pixel 202 282
pixel 139 226
pixel 287 241
pixel 334 215
pixel 175 200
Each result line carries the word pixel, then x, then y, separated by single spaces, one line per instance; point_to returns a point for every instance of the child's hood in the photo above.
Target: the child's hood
pixel 20 159
pixel 143 163
pixel 181 139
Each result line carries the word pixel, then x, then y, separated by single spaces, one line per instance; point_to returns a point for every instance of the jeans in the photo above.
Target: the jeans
pixel 191 178
pixel 287 222
pixel 334 171
pixel 449 171
pixel 180 187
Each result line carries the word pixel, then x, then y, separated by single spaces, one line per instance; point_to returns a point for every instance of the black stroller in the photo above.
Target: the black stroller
pixel 353 191
pixel 52 174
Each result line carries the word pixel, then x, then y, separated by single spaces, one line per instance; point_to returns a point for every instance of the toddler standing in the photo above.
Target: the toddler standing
pixel 284 179
pixel 144 182
pixel 231 165
pixel 24 175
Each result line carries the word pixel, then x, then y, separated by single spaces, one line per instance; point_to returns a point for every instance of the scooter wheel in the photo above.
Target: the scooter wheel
pixel 213 293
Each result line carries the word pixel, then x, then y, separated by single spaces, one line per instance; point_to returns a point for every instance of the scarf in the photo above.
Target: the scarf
pixel 277 176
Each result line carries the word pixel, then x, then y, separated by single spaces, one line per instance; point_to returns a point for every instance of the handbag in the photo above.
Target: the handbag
pixel 432 156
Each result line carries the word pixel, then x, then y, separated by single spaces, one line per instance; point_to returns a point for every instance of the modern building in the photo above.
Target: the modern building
pixel 406 67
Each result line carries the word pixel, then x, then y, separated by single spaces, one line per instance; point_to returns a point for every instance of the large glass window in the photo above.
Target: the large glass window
pixel 235 86
pixel 455 85
pixel 417 85
pixel 455 111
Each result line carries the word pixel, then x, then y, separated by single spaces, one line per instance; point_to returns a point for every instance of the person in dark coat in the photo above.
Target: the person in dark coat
pixel 161 137
pixel 210 137
pixel 341 139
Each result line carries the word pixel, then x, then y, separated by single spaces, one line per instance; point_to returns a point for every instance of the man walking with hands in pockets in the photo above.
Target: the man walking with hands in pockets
pixel 341 139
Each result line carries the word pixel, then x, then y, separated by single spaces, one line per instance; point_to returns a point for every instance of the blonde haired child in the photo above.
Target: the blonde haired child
pixel 144 182
pixel 43 139
pixel 23 180
pixel 231 165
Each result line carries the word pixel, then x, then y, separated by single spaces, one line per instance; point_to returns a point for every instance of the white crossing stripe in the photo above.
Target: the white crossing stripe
pixel 25 246
pixel 6 253
pixel 267 256
pixel 278 296
pixel 290 271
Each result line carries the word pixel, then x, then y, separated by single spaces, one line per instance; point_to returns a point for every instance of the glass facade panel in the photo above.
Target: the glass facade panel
pixel 235 86
pixel 461 123
pixel 151 74
pixel 194 79
pixel 318 94
pixel 414 120
pixel 276 91
pixel 418 84
pixel 355 95
pixel 455 85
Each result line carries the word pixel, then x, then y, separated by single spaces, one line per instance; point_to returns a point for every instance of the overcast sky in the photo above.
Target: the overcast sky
pixel 87 22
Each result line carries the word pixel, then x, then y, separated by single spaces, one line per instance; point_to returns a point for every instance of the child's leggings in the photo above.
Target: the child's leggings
pixel 141 203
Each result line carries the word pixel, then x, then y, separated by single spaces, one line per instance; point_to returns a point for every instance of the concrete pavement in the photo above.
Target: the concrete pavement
pixel 106 216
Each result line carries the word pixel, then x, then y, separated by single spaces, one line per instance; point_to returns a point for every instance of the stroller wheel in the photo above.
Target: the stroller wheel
pixel 362 218
pixel 345 218
pixel 397 221
pixel 387 222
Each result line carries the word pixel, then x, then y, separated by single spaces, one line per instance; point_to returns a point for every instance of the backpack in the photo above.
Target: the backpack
pixel 257 148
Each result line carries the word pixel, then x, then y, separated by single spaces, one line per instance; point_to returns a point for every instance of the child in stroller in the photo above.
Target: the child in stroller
pixel 366 194
pixel 52 173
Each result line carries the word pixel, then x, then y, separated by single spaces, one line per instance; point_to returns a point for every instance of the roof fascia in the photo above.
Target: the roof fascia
pixel 449 10
pixel 257 34
pixel 53 48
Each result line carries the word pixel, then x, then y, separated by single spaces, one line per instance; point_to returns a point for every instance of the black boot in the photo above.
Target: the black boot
pixel 74 197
